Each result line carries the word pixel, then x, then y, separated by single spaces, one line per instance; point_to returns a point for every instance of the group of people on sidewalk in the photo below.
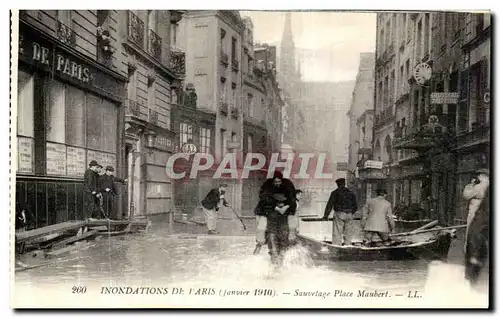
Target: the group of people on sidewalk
pixel 99 191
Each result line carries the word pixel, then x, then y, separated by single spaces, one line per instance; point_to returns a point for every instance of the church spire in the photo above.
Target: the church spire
pixel 287 65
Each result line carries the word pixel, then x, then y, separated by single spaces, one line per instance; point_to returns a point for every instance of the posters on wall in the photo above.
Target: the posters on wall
pixel 25 154
pixel 56 159
pixel 104 159
pixel 76 161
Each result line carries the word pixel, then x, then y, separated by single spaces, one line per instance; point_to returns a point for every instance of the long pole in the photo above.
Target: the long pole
pixel 244 227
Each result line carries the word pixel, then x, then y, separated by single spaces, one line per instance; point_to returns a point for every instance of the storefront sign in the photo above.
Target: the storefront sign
pixel 56 159
pixel 53 57
pixel 342 166
pixel 373 164
pixel 75 158
pixel 164 143
pixel 444 98
pixel 24 154
pixel 412 170
pixel 43 55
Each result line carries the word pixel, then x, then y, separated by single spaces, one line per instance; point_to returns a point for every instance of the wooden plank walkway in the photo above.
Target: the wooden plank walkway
pixel 47 230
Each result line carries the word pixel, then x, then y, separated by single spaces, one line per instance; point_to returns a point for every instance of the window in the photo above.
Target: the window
pixel 186 133
pixel 152 18
pixel 64 16
pixel 25 104
pixel 410 30
pixel 132 84
pixel 249 105
pixel 173 34
pixel 223 137
pixel 249 143
pixel 233 49
pixel 427 26
pixel 382 41
pixel 402 79
pixel 80 127
pixel 223 90
pixel 419 40
pixel 205 140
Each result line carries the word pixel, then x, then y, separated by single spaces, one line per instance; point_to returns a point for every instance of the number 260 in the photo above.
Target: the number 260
pixel 79 289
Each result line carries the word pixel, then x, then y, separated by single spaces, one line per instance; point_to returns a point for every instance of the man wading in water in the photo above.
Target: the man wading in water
pixel 277 204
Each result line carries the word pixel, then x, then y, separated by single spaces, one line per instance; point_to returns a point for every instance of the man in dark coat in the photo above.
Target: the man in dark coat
pixel 108 191
pixel 274 192
pixel 343 202
pixel 211 205
pixel 91 191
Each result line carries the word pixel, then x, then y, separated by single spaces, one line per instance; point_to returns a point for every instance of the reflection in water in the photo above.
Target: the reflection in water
pixel 155 259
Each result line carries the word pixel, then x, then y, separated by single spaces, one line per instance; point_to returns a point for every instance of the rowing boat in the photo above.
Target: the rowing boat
pixel 429 245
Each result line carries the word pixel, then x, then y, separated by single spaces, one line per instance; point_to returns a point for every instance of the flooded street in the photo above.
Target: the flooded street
pixel 225 263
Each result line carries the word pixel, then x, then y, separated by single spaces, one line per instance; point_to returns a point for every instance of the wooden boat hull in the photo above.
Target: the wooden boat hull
pixel 433 249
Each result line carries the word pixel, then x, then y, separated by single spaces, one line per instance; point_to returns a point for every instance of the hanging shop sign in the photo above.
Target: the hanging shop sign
pixel 422 73
pixel 189 149
pixel 444 98
pixel 373 164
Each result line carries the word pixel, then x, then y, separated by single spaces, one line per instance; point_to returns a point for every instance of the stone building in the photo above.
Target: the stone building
pixel 432 131
pixel 155 71
pixel 72 73
pixel 213 42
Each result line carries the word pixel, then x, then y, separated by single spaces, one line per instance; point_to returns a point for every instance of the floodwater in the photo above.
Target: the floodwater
pixel 208 268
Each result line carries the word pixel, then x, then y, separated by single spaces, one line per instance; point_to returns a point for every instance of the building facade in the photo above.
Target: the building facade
pixel 362 100
pixel 213 42
pixel 71 106
pixel 438 122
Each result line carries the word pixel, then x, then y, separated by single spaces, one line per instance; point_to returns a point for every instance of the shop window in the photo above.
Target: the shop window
pixel 205 140
pixel 25 103
pixel 80 127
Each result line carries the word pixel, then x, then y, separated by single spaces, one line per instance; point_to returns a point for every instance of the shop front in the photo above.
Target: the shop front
pixel 68 113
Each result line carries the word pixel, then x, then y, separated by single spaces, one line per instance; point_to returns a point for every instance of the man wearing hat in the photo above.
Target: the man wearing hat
pixel 91 191
pixel 108 190
pixel 211 205
pixel 343 202
pixel 378 219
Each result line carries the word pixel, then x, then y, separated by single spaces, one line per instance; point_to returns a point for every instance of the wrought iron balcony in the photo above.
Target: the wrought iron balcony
pixel 65 34
pixel 224 58
pixel 133 108
pixel 479 135
pixel 153 116
pixel 135 29
pixel 385 116
pixel 234 112
pixel 224 109
pixel 154 45
pixel 178 62
pixel 235 65
pixel 430 135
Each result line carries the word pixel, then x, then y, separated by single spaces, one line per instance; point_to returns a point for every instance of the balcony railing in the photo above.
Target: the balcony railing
pixel 154 45
pixel 153 117
pixel 135 29
pixel 224 109
pixel 425 137
pixel 178 62
pixel 133 108
pixel 234 112
pixel 224 58
pixel 385 116
pixel 235 65
pixel 65 34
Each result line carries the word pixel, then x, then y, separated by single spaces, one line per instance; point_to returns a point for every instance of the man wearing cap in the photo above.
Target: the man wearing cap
pixel 343 202
pixel 91 191
pixel 108 190
pixel 477 231
pixel 211 205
